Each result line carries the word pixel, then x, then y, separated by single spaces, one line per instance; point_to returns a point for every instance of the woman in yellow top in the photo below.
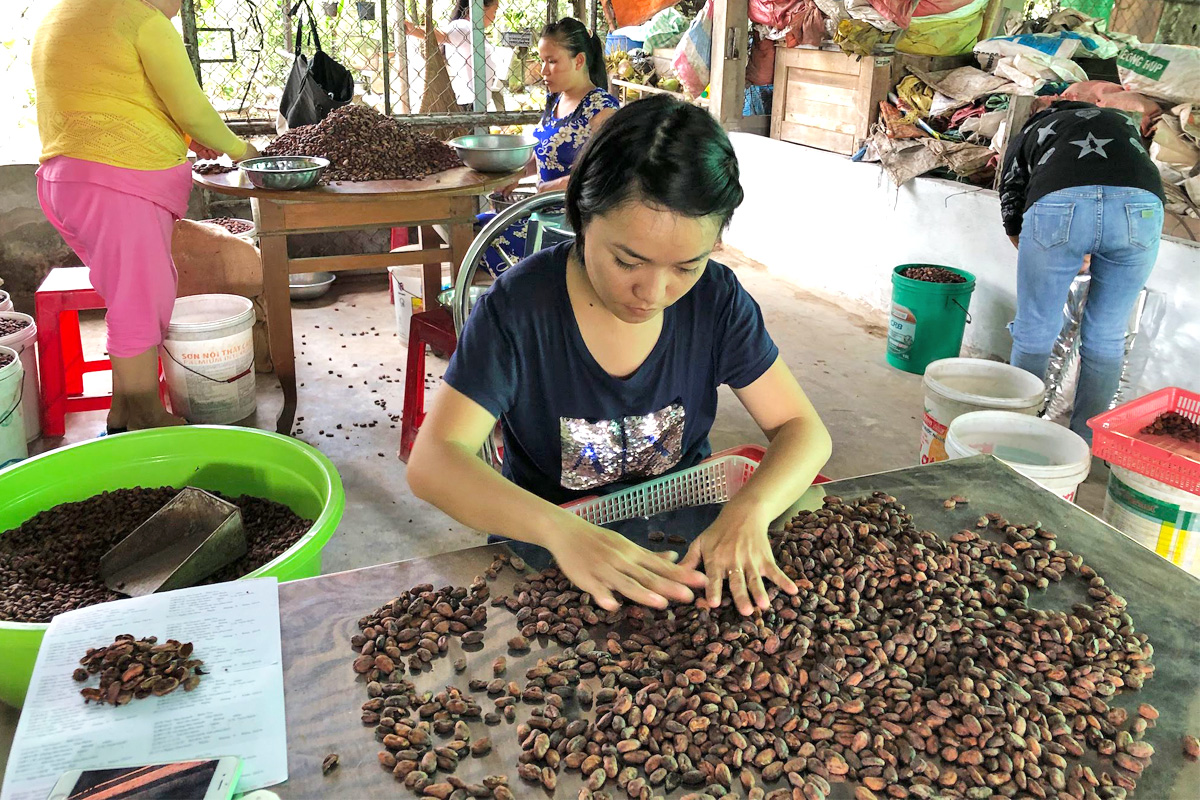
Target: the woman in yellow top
pixel 117 105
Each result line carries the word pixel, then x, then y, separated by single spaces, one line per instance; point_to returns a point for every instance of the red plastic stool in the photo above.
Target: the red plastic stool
pixel 436 329
pixel 63 294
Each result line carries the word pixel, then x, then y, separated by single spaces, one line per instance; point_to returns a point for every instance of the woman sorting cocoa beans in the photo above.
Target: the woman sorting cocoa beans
pixel 602 357
pixel 117 101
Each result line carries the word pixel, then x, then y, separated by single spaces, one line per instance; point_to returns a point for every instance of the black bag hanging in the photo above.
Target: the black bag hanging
pixel 315 86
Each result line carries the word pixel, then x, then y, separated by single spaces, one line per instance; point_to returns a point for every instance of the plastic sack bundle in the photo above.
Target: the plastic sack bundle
pixel 1030 58
pixel 665 29
pixel 1060 45
pixel 1166 71
pixel 692 56
pixel 948 34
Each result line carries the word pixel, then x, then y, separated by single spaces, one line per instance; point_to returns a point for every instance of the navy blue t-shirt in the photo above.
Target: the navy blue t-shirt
pixel 571 429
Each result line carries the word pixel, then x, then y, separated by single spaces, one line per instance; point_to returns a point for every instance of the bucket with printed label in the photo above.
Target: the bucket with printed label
pixel 209 358
pixel 13 446
pixel 408 290
pixel 957 386
pixel 1056 458
pixel 927 319
pixel 1155 515
pixel 22 337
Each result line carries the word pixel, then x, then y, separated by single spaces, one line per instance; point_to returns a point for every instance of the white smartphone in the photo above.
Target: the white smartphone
pixel 205 779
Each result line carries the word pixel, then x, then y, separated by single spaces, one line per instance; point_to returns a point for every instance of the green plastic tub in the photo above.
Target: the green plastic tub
pixel 928 320
pixel 230 460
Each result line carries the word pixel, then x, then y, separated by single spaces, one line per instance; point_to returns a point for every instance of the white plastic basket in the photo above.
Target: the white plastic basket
pixel 713 481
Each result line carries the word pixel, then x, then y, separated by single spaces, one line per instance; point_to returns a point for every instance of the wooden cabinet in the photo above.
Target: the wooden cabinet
pixel 827 99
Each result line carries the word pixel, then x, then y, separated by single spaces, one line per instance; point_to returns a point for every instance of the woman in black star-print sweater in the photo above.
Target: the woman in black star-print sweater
pixel 1077 181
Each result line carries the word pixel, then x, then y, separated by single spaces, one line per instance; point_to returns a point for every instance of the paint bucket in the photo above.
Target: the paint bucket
pixel 24 341
pixel 408 290
pixel 957 386
pixel 13 446
pixel 210 358
pixel 5 301
pixel 1054 457
pixel 1155 515
pixel 927 319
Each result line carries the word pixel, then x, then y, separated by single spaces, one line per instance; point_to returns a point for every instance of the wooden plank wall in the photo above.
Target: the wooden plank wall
pixel 825 99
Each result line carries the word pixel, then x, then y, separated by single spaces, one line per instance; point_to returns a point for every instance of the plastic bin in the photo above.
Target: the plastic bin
pixel 1117 438
pixel 229 460
pixel 618 44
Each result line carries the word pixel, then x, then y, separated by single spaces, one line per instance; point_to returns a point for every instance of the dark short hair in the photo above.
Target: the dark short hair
pixel 664 152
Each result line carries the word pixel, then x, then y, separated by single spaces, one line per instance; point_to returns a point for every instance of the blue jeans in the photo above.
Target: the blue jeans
pixel 1120 228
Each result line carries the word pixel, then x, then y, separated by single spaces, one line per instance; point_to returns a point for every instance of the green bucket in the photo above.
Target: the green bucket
pixel 230 460
pixel 927 319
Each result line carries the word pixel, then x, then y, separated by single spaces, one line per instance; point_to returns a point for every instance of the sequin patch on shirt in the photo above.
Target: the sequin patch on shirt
pixel 607 451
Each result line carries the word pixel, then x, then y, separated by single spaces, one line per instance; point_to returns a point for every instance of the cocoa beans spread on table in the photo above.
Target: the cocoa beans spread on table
pixel 9 326
pixel 51 563
pixel 5 359
pixel 232 224
pixel 132 669
pixel 1175 425
pixel 212 168
pixel 907 664
pixel 933 275
pixel 364 145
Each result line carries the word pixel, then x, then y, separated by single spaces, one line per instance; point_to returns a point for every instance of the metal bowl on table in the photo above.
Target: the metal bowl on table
pixel 494 152
pixel 284 172
pixel 310 285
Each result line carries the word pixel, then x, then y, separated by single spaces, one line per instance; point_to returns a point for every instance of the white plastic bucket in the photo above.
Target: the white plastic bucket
pixel 1157 516
pixel 209 360
pixel 408 294
pixel 24 342
pixel 957 386
pixel 13 446
pixel 5 302
pixel 1054 457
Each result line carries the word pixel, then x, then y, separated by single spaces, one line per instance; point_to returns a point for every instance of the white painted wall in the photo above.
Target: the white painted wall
pixel 836 227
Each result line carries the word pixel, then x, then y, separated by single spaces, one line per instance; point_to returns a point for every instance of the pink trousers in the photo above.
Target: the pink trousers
pixel 124 236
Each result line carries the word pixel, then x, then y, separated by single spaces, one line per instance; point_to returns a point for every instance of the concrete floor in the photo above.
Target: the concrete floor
pixel 351 368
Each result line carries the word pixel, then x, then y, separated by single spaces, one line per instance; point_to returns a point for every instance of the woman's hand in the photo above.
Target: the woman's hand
pixel 602 562
pixel 736 548
pixel 202 152
pixel 251 152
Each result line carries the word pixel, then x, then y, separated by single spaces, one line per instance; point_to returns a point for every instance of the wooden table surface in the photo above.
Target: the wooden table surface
pixel 447 198
pixel 452 181
pixel 324 696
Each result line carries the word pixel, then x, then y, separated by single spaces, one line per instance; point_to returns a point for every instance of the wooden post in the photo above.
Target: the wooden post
pixel 1020 109
pixel 187 16
pixel 400 42
pixel 727 71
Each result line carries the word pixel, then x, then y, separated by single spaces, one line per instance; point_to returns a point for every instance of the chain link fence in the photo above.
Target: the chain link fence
pixel 243 51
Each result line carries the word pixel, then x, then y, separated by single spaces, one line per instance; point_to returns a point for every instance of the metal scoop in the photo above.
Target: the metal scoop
pixel 183 543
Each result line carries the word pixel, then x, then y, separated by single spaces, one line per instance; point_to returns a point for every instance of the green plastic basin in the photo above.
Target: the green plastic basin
pixel 230 460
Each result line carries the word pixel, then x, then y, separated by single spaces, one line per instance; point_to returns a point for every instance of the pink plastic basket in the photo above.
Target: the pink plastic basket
pixel 1117 438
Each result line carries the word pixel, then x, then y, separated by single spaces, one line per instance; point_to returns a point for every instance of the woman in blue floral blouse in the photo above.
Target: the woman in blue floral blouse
pixel 577 104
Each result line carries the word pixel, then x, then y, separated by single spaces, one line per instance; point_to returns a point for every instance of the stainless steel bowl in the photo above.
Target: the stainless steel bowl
pixel 310 285
pixel 284 172
pixel 494 152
